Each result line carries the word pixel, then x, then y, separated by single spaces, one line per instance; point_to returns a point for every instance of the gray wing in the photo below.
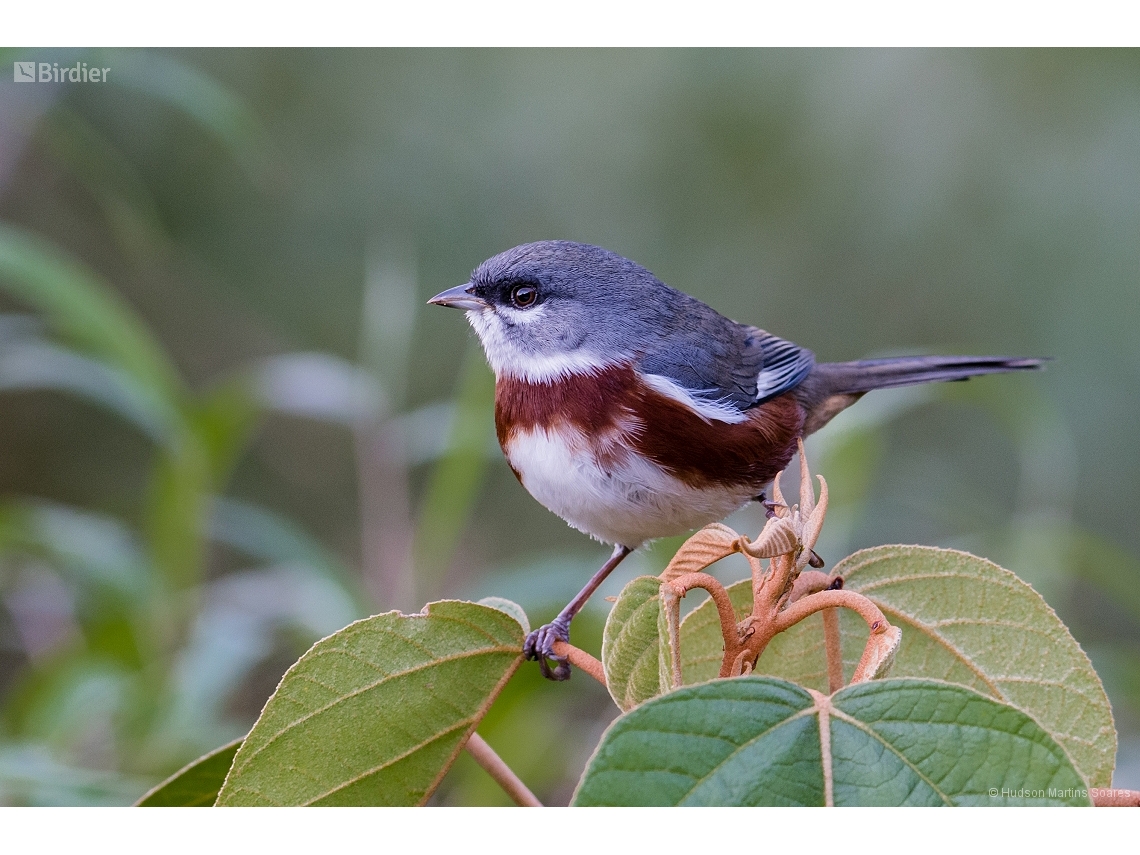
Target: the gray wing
pixel 735 365
pixel 784 365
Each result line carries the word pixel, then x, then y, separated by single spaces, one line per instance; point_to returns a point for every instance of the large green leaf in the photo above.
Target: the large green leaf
pixel 195 785
pixel 964 620
pixel 631 643
pixel 762 741
pixel 376 713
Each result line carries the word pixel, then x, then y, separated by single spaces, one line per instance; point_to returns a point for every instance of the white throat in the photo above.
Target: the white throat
pixel 507 360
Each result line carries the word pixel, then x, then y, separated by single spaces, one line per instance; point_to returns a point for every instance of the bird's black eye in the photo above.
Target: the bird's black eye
pixel 524 296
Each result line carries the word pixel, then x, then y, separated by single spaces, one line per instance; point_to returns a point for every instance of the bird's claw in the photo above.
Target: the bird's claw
pixel 771 509
pixel 539 645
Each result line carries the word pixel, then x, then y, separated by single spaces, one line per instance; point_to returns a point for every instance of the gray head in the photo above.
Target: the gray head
pixel 555 307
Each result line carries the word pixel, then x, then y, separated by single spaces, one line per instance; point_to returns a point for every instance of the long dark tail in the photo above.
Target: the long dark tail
pixel 833 386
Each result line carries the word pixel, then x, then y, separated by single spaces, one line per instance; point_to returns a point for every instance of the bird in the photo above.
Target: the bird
pixel 634 411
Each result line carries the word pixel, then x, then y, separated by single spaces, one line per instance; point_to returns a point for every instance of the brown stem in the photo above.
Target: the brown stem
pixel 581 659
pixel 797 611
pixel 760 576
pixel 1103 797
pixel 671 605
pixel 683 584
pixel 767 624
pixel 832 644
pixel 503 774
pixel 823 706
pixel 809 582
pixel 728 629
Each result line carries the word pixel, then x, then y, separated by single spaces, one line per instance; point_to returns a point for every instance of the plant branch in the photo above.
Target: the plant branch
pixel 681 585
pixel 834 647
pixel 867 610
pixel 1115 797
pixel 504 776
pixel 581 659
pixel 811 582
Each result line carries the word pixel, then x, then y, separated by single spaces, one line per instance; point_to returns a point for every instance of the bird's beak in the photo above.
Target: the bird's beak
pixel 459 297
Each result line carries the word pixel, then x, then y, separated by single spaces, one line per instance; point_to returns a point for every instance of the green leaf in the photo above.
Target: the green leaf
pixel 223 420
pixel 30 774
pixel 39 364
pixel 375 714
pixel 964 620
pixel 762 741
pixel 94 551
pixel 85 310
pixel 631 644
pixel 318 386
pixel 508 607
pixel 220 423
pixel 195 785
pixel 177 509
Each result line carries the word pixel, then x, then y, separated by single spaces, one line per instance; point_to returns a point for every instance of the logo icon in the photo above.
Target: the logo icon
pixel 24 72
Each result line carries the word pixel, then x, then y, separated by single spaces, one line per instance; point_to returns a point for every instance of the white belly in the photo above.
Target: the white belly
pixel 627 503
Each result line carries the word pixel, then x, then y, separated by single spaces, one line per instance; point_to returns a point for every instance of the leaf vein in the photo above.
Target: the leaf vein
pixel 854 722
pixel 368 687
pixel 811 710
pixel 390 761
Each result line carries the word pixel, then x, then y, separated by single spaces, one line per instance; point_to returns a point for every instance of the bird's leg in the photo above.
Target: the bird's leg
pixel 540 643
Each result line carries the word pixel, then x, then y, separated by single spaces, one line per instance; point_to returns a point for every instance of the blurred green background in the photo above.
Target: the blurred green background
pixel 229 425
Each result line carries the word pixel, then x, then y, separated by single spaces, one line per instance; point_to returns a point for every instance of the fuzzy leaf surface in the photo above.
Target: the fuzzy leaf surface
pixel 757 741
pixel 195 785
pixel 631 643
pixel 375 714
pixel 964 620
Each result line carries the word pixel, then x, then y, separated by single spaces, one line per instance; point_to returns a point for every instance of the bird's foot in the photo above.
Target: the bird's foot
pixel 769 507
pixel 539 645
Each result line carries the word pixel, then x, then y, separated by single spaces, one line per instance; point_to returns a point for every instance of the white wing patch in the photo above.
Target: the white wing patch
pixel 785 366
pixel 707 410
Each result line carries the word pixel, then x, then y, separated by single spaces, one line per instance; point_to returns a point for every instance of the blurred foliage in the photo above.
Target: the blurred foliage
pixel 227 428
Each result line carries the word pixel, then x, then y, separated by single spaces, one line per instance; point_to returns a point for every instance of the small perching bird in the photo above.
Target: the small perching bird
pixel 634 411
